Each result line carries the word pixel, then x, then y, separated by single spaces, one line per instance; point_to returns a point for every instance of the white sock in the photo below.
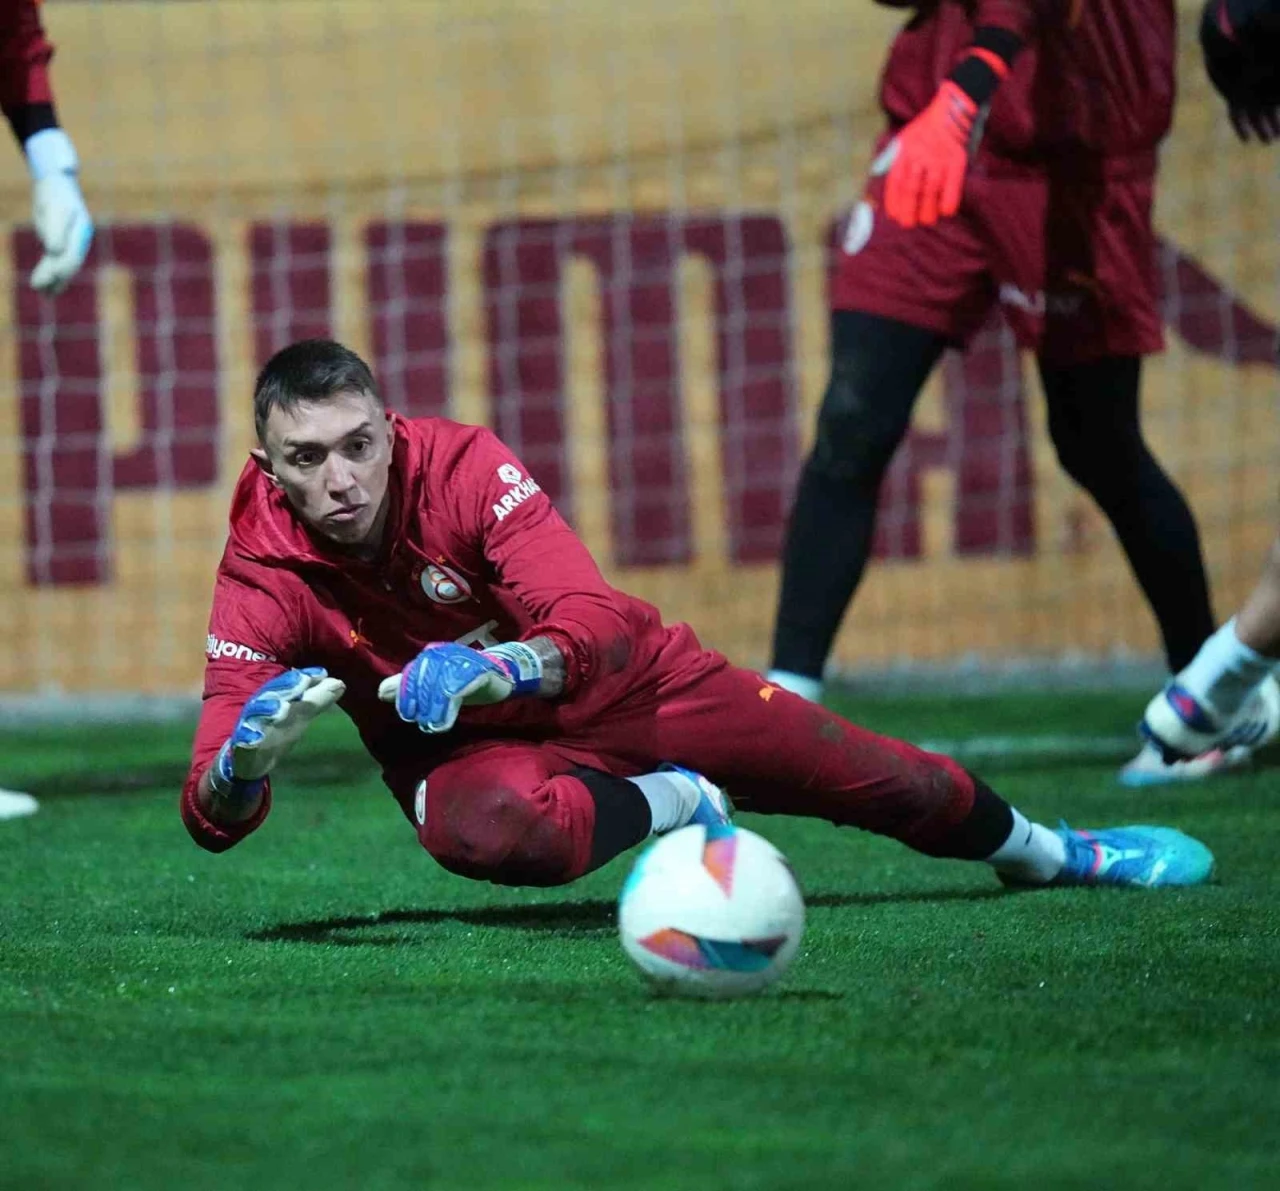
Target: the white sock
pixel 1225 672
pixel 671 796
pixel 1031 853
pixel 797 684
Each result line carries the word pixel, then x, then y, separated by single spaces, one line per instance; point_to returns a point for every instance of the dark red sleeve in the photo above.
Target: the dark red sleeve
pixel 251 640
pixel 542 562
pixel 24 55
pixel 1018 16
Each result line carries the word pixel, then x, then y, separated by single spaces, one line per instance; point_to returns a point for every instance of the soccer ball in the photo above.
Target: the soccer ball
pixel 711 912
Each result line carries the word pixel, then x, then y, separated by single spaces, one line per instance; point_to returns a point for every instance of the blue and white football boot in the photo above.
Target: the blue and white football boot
pixel 1139 857
pixel 1186 742
pixel 714 808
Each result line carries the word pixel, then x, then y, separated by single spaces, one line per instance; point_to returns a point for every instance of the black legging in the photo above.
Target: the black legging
pixel 878 368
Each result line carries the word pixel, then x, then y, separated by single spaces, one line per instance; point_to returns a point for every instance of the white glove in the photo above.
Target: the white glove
pixel 62 220
pixel 271 723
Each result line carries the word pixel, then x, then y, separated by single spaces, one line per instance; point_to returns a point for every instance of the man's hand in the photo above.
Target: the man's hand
pixel 1244 67
pixel 929 159
pixel 444 677
pixel 58 210
pixel 270 724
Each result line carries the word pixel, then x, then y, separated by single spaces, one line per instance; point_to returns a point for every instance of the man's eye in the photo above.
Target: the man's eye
pixel 305 459
pixel 361 446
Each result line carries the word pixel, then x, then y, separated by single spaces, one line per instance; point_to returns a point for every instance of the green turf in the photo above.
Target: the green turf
pixel 325 1008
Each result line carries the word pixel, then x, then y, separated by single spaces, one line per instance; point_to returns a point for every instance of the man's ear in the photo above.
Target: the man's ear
pixel 260 458
pixel 391 429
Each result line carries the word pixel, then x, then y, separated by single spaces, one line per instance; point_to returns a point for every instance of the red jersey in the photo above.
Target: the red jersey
pixel 1095 78
pixel 473 552
pixel 24 55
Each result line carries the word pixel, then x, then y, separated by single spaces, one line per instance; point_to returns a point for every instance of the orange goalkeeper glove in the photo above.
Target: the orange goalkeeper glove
pixel 931 154
pixel 927 173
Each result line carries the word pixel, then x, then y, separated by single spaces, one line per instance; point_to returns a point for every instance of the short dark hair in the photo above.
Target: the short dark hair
pixel 309 370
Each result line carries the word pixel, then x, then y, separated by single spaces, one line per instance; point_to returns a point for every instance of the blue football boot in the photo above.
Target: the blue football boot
pixel 1140 856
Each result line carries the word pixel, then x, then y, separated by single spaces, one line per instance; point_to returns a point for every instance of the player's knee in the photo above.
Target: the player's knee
pixel 943 802
pixel 858 429
pixel 1109 470
pixel 1084 458
pixel 489 831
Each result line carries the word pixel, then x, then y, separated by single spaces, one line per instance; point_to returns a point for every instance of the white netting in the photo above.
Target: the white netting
pixel 603 230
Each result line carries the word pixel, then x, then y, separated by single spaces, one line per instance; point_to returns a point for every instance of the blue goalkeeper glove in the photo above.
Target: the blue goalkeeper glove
pixel 270 724
pixel 444 678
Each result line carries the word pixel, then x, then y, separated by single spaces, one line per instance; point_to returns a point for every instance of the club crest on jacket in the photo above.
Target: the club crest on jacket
pixel 443 585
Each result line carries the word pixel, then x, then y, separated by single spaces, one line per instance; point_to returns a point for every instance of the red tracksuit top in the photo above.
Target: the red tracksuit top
pixel 474 552
pixel 1095 79
pixel 24 55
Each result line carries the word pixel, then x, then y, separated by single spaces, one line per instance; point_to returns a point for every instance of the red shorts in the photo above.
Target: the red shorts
pixel 1070 261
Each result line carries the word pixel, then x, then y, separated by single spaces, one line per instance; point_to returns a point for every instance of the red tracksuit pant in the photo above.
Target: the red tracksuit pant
pixel 511 811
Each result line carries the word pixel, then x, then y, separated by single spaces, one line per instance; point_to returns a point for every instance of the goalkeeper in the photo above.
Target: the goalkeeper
pixel 1017 170
pixel 1227 700
pixel 531 721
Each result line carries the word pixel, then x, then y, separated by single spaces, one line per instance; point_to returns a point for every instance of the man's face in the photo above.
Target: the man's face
pixel 332 458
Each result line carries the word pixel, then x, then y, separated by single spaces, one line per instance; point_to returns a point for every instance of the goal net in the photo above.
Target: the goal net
pixel 605 231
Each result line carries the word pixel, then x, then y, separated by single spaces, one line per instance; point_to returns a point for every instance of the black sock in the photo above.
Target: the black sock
pixel 623 817
pixel 986 828
pixel 26 119
pixel 878 366
pixel 1094 422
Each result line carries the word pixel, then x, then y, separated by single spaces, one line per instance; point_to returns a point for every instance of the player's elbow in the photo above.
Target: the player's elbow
pixel 615 652
pixel 613 640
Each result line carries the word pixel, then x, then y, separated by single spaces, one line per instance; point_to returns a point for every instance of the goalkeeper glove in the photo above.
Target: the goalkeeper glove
pixel 58 210
pixel 444 678
pixel 929 160
pixel 270 724
pixel 929 157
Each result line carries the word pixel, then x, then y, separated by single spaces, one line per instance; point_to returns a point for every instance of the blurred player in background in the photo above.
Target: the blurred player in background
pixel 1018 168
pixel 1227 699
pixel 531 721
pixel 61 218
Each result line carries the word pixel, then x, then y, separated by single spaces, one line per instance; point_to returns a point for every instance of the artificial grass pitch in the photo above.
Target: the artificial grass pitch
pixel 324 1007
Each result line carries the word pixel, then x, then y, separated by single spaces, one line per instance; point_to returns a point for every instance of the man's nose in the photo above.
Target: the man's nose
pixel 338 477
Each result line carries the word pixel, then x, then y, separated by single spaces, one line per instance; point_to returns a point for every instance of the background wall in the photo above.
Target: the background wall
pixel 603 230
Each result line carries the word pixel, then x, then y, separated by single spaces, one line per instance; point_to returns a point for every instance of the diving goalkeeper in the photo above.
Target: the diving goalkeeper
pixel 531 721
